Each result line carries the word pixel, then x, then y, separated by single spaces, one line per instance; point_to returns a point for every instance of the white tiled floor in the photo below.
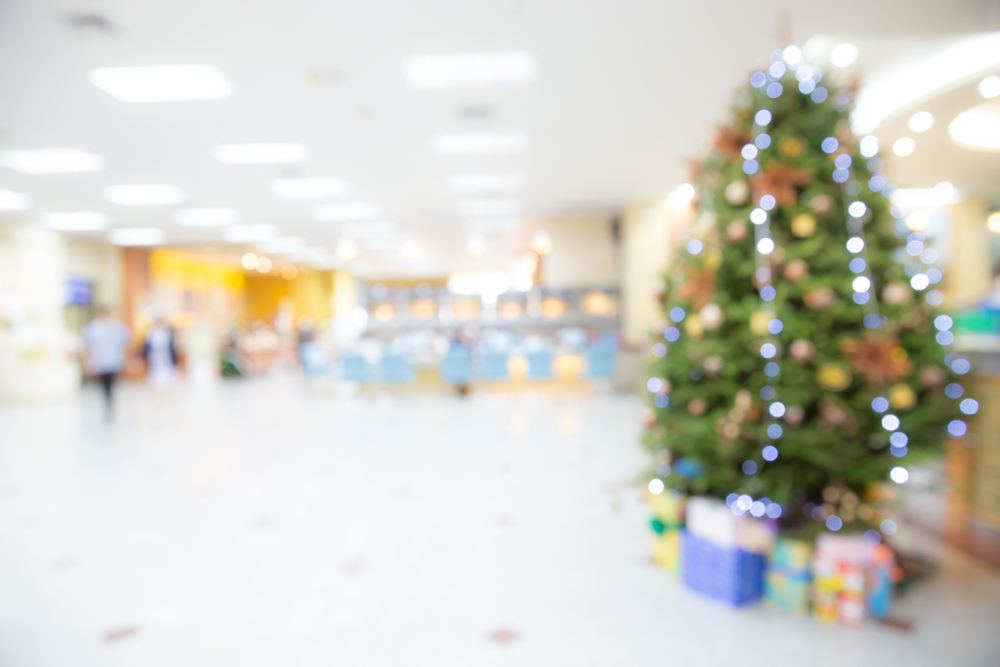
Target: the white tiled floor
pixel 267 522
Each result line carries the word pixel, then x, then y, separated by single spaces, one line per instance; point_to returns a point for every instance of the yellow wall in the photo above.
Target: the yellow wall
pixel 311 293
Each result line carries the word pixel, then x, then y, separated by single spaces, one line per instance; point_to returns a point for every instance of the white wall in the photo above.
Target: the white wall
pixel 583 253
pixel 35 348
pixel 101 263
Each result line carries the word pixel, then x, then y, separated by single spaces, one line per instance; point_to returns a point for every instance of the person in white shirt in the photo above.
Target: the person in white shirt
pixel 106 340
pixel 161 359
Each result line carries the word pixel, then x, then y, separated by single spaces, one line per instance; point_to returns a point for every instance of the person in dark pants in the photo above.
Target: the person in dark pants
pixel 107 341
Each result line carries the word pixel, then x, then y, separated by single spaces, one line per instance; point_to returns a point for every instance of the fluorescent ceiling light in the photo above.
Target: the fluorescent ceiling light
pixel 454 70
pixel 368 229
pixel 495 225
pixel 892 91
pixel 990 87
pixel 347 211
pixel 206 217
pixel 302 188
pixel 921 121
pixel 75 221
pixel 483 208
pixel 274 153
pixel 13 201
pixel 158 194
pixel 51 161
pixel 480 143
pixel 136 236
pixel 904 146
pixel 977 128
pixel 249 233
pixel 943 194
pixel 843 55
pixel 495 182
pixel 163 84
pixel 283 245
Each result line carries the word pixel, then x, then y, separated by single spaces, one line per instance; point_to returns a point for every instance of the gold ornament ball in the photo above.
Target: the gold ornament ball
pixel 822 204
pixel 743 399
pixel 833 376
pixel 795 414
pixel 820 298
pixel 736 192
pixel 759 321
pixel 792 146
pixel 901 397
pixel 897 293
pixel 711 316
pixel 801 350
pixel 697 407
pixel 694 326
pixel 803 225
pixel 713 259
pixel 796 269
pixel 737 231
pixel 932 377
pixel 713 365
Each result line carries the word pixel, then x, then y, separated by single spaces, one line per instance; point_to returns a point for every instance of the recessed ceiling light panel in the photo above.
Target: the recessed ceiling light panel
pixel 483 208
pixel 480 143
pixel 51 161
pixel 136 236
pixel 206 217
pixel 921 121
pixel 346 212
pixel 249 233
pixel 169 83
pixel 843 55
pixel 157 194
pixel 273 153
pixel 977 128
pixel 75 221
pixel 455 70
pixel 304 188
pixel 14 201
pixel 495 182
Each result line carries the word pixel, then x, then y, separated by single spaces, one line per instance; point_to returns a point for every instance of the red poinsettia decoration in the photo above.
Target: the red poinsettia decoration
pixel 880 360
pixel 730 141
pixel 781 181
pixel 699 287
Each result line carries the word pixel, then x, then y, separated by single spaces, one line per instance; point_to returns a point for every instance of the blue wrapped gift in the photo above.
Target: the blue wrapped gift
pixel 725 573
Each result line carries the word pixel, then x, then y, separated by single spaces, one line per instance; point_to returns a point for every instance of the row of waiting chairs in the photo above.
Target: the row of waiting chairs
pixel 458 366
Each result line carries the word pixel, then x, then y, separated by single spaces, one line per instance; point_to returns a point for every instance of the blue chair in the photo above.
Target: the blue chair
pixel 354 368
pixel 494 366
pixel 315 359
pixel 457 365
pixel 601 362
pixel 395 369
pixel 539 365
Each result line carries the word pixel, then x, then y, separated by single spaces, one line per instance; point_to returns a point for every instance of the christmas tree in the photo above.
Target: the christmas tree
pixel 802 349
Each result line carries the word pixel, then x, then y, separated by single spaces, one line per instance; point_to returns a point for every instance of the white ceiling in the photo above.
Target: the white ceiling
pixel 625 91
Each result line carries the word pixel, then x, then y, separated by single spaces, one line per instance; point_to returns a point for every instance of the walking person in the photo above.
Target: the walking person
pixel 106 340
pixel 160 353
